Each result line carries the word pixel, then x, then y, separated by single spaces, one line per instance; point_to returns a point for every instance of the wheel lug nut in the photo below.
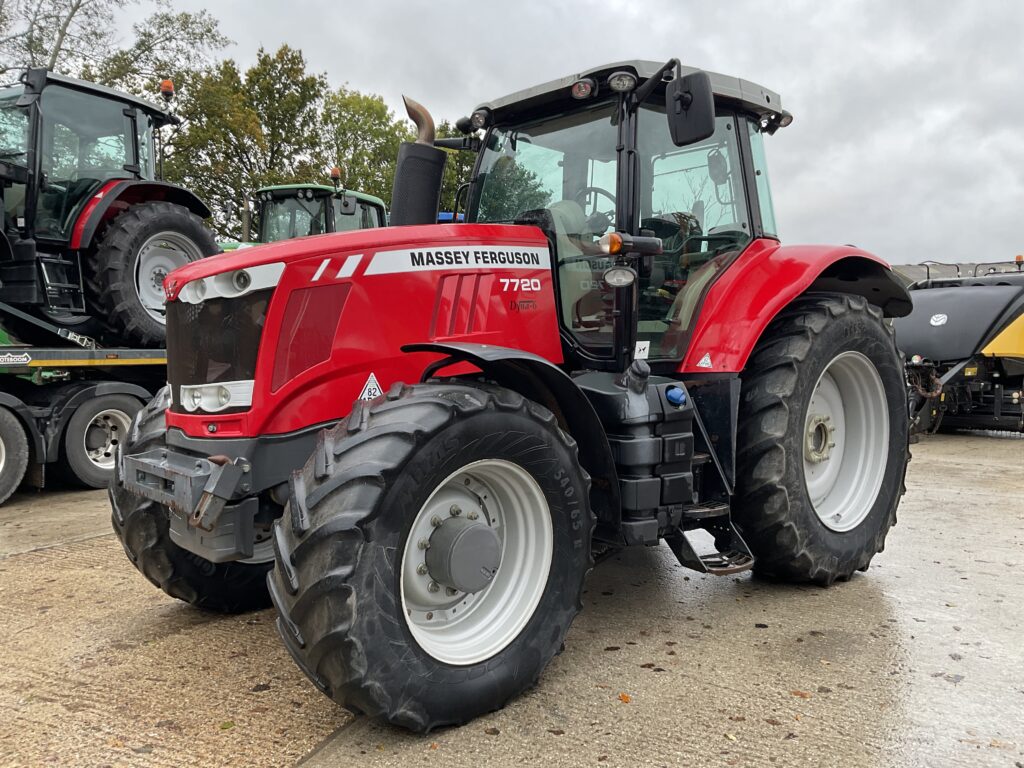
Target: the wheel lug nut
pixel 455 510
pixel 433 587
pixel 423 544
pixel 430 615
pixel 435 521
pixel 421 569
pixel 473 515
pixel 451 592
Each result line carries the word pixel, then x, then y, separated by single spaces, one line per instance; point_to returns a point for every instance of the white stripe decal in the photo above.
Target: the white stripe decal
pixel 349 267
pixel 320 269
pixel 458 257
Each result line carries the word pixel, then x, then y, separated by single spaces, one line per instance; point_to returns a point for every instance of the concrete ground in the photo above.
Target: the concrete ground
pixel 920 661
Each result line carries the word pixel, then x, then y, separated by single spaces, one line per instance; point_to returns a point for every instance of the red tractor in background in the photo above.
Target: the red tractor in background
pixel 527 392
pixel 89 232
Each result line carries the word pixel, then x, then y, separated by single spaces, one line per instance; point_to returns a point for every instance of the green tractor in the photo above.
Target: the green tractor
pixel 286 211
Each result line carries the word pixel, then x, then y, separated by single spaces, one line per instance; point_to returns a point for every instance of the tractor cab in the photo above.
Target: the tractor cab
pixel 61 139
pixel 296 210
pixel 74 158
pixel 679 158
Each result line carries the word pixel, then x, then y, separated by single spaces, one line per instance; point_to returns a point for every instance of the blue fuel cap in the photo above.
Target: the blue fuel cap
pixel 676 396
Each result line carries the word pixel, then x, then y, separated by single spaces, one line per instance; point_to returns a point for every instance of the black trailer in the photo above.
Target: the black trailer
pixel 64 410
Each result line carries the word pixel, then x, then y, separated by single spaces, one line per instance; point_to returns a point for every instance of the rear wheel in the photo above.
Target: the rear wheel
pixel 138 250
pixel 432 554
pixel 822 441
pixel 13 454
pixel 93 433
pixel 143 528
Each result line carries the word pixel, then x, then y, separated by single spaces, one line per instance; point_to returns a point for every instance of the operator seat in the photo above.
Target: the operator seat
pixel 576 283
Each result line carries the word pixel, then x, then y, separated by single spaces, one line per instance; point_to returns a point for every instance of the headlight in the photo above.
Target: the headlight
pixel 622 81
pixel 619 277
pixel 211 398
pixel 229 285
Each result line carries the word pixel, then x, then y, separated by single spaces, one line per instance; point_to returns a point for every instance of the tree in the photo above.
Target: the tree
pixel 362 135
pixel 62 35
pixel 510 190
pixel 241 131
pixel 167 44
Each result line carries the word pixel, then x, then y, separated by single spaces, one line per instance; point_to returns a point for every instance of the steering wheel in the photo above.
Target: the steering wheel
pixel 598 221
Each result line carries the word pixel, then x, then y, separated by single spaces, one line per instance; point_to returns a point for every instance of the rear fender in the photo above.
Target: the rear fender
pixel 765 279
pixel 535 378
pixel 115 196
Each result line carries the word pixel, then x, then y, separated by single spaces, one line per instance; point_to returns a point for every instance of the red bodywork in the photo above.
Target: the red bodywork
pixel 354 324
pixel 340 313
pixel 743 300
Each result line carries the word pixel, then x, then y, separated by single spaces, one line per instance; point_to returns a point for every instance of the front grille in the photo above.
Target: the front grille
pixel 213 341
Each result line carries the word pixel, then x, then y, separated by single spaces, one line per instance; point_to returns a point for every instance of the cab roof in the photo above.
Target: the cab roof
pixel 324 189
pixel 742 93
pixel 35 79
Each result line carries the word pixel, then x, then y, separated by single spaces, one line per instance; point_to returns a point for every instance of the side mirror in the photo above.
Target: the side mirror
pixel 348 205
pixel 690 108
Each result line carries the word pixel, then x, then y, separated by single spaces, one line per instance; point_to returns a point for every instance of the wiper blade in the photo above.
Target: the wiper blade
pixel 8 153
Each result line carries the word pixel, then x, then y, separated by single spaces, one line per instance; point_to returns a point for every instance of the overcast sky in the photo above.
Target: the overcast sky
pixel 907 138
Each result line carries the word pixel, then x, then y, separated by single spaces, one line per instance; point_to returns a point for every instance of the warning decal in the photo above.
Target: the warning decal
pixel 705 362
pixel 459 257
pixel 371 388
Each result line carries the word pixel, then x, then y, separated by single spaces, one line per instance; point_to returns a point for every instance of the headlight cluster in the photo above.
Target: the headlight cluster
pixel 230 285
pixel 211 398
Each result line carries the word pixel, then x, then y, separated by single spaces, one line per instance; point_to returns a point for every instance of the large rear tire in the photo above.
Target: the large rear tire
pixel 143 529
pixel 822 441
pixel 379 602
pixel 127 269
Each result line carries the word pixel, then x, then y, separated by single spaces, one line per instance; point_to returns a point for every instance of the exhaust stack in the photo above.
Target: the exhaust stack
pixel 419 172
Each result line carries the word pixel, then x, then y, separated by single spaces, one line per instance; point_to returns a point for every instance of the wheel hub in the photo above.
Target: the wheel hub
pixel 819 439
pixel 463 555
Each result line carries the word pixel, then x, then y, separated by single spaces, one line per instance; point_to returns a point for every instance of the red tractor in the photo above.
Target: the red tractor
pixel 89 232
pixel 527 394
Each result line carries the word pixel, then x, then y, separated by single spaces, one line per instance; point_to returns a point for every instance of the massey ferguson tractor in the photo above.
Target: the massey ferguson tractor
pixel 89 233
pixel 418 437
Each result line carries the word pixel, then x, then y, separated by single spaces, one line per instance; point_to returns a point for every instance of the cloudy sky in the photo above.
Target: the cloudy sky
pixel 908 137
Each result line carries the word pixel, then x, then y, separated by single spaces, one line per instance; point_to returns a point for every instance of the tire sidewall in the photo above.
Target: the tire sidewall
pixel 454 692
pixel 851 332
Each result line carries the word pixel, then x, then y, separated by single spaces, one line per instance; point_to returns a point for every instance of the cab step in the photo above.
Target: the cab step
pixel 733 557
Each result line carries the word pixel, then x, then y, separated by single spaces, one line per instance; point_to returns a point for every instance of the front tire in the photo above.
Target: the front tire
pixel 822 440
pixel 127 269
pixel 13 454
pixel 376 596
pixel 143 527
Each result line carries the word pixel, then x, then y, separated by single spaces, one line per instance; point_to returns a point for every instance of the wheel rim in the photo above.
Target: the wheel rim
pixel 159 255
pixel 460 627
pixel 846 441
pixel 102 436
pixel 3 455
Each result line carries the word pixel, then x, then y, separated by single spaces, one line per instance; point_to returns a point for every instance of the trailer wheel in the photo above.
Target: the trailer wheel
pixel 432 554
pixel 13 454
pixel 143 529
pixel 92 435
pixel 127 269
pixel 822 441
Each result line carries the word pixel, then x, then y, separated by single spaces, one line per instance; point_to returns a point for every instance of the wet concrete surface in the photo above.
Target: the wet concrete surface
pixel 920 661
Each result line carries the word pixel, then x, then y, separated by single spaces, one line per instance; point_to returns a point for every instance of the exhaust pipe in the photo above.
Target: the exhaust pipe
pixel 419 172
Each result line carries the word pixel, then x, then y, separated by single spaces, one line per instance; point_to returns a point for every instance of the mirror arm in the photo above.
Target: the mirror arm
pixel 640 94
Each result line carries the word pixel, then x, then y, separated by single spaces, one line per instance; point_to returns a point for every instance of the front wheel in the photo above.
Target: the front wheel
pixel 822 445
pixel 93 433
pixel 432 554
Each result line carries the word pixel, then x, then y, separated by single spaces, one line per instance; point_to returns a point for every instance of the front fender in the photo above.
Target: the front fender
pixel 539 380
pixel 766 278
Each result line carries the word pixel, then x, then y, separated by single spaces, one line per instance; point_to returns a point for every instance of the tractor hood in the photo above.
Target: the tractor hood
pixel 299 249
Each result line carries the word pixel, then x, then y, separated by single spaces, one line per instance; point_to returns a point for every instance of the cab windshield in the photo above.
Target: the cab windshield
pixel 559 173
pixel 288 217
pixel 13 127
